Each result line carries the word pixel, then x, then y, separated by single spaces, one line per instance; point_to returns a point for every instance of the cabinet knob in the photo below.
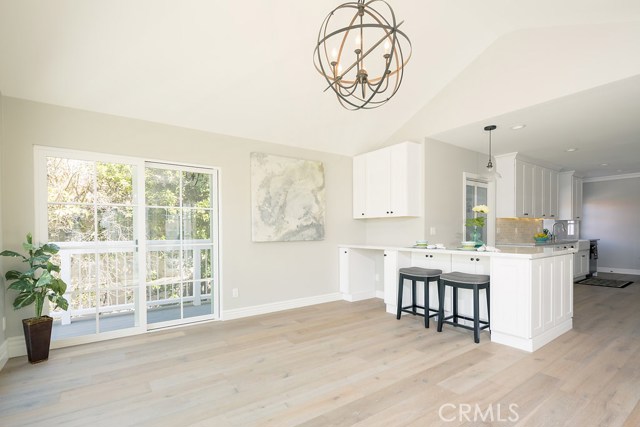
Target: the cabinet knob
pixel 430 256
pixel 387 211
pixel 345 252
pixel 477 259
pixel 391 211
pixel 525 214
pixel 385 254
pixel 362 213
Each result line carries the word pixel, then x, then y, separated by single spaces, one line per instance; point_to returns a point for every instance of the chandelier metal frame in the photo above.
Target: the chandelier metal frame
pixel 352 84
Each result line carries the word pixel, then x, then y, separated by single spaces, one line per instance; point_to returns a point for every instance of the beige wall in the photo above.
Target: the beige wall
pixel 2 284
pixel 444 167
pixel 263 272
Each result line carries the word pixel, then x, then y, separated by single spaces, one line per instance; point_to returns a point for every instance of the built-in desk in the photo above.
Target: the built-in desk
pixel 531 287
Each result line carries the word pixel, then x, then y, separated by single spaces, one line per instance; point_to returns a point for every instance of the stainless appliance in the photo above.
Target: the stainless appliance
pixel 593 257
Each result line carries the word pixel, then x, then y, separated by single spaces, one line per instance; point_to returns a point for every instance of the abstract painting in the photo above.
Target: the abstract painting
pixel 287 199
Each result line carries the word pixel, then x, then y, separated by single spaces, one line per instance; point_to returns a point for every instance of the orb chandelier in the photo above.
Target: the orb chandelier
pixel 360 53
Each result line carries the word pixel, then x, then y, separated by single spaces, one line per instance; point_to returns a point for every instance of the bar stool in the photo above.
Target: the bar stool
pixel 417 274
pixel 459 280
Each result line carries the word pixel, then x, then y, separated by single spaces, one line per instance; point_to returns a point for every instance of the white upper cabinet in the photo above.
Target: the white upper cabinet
pixel 570 196
pixel 525 189
pixel 387 182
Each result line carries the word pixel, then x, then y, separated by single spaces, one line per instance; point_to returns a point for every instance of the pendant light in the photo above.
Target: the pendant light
pixel 490 128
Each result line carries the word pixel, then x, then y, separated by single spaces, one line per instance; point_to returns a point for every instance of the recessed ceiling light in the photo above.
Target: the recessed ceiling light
pixel 604 164
pixel 518 127
pixel 571 150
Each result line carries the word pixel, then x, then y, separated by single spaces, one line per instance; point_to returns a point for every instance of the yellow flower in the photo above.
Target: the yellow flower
pixel 481 208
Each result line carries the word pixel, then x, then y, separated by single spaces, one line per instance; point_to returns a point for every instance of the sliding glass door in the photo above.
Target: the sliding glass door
pixel 138 241
pixel 180 230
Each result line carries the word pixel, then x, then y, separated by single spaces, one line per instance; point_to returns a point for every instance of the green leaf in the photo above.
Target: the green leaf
pixel 52 267
pixel 44 280
pixel 24 299
pixel 40 259
pixel 23 285
pixel 62 303
pixel 58 286
pixel 13 275
pixel 51 248
pixel 13 254
pixel 27 246
pixel 29 238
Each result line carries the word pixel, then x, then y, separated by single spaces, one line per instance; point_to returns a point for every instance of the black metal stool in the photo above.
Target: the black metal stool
pixel 417 274
pixel 465 281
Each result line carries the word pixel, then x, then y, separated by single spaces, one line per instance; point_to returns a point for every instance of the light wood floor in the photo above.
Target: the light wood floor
pixel 340 364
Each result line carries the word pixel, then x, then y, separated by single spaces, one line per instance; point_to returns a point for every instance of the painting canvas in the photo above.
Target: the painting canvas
pixel 288 198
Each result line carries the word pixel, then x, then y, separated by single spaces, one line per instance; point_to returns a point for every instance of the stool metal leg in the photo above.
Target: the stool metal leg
pixel 455 305
pixel 413 296
pixel 488 307
pixel 440 304
pixel 476 314
pixel 426 303
pixel 400 285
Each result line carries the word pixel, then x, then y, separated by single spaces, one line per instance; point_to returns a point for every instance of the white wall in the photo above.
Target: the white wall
pixel 3 348
pixel 264 272
pixel 611 214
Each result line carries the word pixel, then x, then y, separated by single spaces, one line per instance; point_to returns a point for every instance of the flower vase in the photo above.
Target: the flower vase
pixel 475 236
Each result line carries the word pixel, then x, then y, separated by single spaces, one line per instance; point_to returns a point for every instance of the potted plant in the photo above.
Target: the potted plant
pixel 35 285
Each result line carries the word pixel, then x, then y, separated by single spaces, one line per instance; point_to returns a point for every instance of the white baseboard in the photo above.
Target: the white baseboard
pixel 16 346
pixel 380 294
pixel 255 310
pixel 4 354
pixel 359 296
pixel 618 270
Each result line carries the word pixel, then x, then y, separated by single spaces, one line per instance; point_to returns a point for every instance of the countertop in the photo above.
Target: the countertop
pixel 531 252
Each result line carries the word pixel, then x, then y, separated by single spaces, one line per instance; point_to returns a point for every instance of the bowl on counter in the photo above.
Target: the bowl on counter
pixel 468 244
pixel 541 239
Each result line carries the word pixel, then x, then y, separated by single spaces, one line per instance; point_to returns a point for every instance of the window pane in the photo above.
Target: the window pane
pixel 70 223
pixel 117 270
pixel 196 224
pixel 82 286
pixel 114 183
pixel 163 266
pixel 115 223
pixel 163 224
pixel 196 190
pixel 69 180
pixel 162 187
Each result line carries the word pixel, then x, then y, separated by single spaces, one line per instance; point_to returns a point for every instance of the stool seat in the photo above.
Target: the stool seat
pixel 475 282
pixel 420 272
pixel 467 278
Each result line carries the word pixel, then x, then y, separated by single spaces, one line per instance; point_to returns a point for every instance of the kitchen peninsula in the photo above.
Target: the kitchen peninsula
pixel 531 299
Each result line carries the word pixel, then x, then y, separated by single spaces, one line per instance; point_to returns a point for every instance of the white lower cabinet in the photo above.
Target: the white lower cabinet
pixel 535 299
pixel 581 263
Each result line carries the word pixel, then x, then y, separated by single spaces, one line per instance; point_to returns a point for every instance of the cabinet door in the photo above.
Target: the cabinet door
pixel 563 289
pixel 378 184
pixel 360 186
pixel 524 189
pixel 404 176
pixel 539 193
pixel 577 198
pixel 553 195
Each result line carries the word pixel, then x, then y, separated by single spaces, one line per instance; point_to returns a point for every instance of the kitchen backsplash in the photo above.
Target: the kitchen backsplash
pixel 517 230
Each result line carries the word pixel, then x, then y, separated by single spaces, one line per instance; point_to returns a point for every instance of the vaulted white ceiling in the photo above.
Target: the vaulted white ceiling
pixel 245 68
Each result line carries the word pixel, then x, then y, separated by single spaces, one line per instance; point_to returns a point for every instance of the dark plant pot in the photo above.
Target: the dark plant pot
pixel 37 336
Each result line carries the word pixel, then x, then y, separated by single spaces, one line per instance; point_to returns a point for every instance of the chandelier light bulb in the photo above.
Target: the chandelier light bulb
pixel 334 53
